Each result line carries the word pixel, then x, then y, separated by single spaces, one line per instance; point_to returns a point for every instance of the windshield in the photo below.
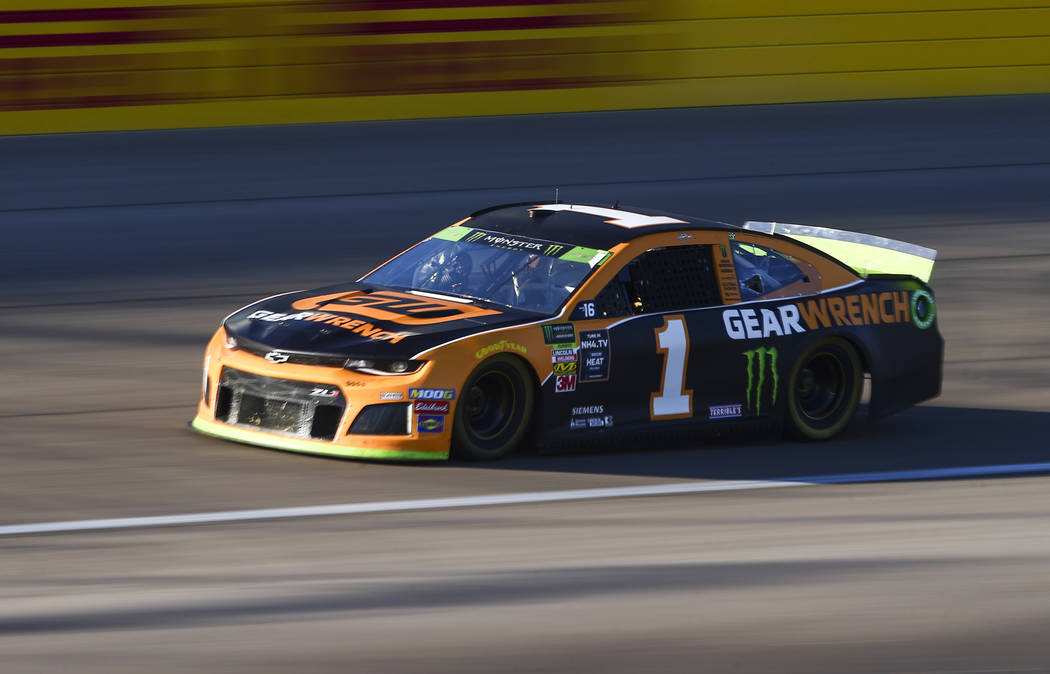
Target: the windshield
pixel 524 273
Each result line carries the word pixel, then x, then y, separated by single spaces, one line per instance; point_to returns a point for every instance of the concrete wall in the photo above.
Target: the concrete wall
pixel 83 65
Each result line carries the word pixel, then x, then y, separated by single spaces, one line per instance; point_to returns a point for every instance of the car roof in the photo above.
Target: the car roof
pixel 586 224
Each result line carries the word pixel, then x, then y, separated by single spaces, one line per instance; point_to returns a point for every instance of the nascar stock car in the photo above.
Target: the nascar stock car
pixel 561 325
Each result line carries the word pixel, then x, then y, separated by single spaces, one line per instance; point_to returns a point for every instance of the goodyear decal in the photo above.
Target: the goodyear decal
pixel 885 308
pixel 502 345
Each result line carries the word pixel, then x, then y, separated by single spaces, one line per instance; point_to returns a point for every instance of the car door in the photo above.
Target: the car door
pixel 651 347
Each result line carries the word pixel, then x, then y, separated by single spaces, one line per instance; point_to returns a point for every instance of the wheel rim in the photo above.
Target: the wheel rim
pixel 820 387
pixel 490 405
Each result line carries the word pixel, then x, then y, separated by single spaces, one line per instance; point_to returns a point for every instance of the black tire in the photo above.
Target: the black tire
pixel 494 410
pixel 824 390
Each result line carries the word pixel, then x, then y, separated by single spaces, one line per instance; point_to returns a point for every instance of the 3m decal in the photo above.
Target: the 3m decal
pixel 391 395
pixel 431 394
pixel 760 323
pixel 388 305
pixel 564 383
pixel 502 345
pixel 594 355
pixel 923 309
pixel 725 411
pixel 756 375
pixel 360 327
pixel 565 368
pixel 431 407
pixel 672 401
pixel 558 334
pixel 430 423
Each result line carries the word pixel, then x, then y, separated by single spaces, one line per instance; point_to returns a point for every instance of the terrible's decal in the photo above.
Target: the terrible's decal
pixel 388 305
pixel 502 345
pixel 594 355
pixel 564 383
pixel 757 369
pixel 824 312
pixel 725 411
pixel 360 327
pixel 431 394
pixel 431 407
pixel 430 423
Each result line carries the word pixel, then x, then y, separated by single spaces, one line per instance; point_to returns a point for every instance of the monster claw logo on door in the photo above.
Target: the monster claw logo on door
pixel 756 375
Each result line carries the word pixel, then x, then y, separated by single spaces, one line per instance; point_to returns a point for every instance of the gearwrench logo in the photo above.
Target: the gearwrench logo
pixel 756 375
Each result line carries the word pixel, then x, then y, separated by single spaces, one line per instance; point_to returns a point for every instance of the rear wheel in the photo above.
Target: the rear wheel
pixel 494 410
pixel 824 390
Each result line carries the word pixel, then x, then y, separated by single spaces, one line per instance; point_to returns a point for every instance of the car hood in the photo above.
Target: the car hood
pixel 367 321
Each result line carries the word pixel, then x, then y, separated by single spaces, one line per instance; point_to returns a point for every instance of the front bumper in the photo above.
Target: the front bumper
pixel 266 415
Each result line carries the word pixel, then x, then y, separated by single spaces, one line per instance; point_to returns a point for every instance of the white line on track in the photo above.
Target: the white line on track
pixel 516 499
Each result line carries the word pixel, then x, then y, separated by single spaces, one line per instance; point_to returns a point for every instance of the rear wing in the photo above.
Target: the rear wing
pixel 864 253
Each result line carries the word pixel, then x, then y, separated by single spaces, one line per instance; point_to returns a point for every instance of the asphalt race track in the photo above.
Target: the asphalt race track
pixel 122 252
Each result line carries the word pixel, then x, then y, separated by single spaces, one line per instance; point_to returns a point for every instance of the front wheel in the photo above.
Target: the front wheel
pixel 494 410
pixel 824 390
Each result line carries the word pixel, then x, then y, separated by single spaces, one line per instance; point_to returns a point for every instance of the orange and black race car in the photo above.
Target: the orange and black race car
pixel 568 325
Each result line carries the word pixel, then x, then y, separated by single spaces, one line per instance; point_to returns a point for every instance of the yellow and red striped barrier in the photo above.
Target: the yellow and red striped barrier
pixel 83 65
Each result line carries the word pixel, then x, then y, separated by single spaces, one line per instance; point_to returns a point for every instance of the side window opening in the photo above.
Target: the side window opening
pixel 662 279
pixel 761 270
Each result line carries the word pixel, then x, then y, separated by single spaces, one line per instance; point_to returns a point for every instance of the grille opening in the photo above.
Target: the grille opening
pixel 283 406
pixel 383 419
pixel 223 400
pixel 326 421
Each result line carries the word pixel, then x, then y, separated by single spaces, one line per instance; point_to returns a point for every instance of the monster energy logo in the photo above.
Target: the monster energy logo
pixel 475 236
pixel 553 249
pixel 754 384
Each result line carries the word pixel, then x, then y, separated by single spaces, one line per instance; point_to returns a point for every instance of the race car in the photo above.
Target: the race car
pixel 573 325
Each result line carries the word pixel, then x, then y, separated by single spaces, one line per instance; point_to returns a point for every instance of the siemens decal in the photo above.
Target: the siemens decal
pixel 825 312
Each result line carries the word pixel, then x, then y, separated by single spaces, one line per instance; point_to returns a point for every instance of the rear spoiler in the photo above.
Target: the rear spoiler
pixel 864 253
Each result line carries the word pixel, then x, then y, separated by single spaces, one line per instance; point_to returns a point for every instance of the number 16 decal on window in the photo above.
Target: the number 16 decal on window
pixel 672 401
